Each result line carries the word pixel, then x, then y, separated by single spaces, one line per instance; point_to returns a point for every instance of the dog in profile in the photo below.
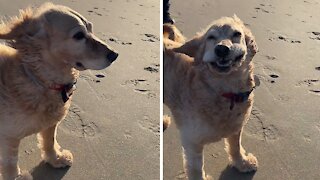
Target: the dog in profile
pixel 208 86
pixel 39 64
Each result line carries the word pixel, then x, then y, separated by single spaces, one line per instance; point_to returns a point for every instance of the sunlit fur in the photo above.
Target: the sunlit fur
pixel 193 91
pixel 42 41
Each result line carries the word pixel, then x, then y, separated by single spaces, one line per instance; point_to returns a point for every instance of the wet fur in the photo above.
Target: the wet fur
pixel 193 92
pixel 39 41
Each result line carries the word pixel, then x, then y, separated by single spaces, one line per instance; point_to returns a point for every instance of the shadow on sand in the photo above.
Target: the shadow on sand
pixel 230 173
pixel 47 172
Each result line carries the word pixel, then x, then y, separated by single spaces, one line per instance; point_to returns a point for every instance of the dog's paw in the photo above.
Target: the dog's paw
pixel 208 177
pixel 24 176
pixel 248 163
pixel 60 160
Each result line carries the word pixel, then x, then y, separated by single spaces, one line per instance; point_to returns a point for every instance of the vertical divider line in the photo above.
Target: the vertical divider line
pixel 161 90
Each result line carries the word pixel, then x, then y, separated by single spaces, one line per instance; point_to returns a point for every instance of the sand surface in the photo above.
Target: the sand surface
pixel 284 128
pixel 113 124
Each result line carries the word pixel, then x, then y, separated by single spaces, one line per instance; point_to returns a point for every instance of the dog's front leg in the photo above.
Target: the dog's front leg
pixel 51 151
pixel 9 160
pixel 237 154
pixel 193 160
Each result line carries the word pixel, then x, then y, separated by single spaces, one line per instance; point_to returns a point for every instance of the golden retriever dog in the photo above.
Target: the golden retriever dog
pixel 208 84
pixel 39 66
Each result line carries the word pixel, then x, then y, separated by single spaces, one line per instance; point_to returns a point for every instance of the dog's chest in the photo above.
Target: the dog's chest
pixel 210 118
pixel 50 114
pixel 20 122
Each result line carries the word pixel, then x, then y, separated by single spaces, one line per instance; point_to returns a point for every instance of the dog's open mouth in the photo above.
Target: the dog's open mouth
pixel 222 66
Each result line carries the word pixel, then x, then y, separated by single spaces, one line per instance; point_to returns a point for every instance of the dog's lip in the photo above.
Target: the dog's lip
pixel 226 64
pixel 220 68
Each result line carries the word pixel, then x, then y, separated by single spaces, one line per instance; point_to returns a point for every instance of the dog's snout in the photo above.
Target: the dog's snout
pixel 222 50
pixel 112 56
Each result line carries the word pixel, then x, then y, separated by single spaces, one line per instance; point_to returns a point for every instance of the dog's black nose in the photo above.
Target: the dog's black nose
pixel 221 50
pixel 112 56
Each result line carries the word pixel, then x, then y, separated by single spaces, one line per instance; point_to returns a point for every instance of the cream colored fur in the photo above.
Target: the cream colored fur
pixel 43 42
pixel 193 88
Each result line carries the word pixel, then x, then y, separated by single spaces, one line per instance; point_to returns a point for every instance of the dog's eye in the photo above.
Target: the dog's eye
pixel 237 34
pixel 211 37
pixel 79 36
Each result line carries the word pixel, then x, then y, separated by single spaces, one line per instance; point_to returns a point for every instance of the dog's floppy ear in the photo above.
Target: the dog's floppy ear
pixel 22 26
pixel 191 47
pixel 252 47
pixel 172 33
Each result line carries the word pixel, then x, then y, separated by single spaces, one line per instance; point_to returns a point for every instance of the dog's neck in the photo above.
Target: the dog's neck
pixel 242 77
pixel 43 67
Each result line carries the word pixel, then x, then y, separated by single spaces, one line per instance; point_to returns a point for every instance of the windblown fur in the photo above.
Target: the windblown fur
pixel 41 51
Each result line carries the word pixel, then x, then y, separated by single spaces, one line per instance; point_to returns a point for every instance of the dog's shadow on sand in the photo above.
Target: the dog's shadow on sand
pixel 47 172
pixel 230 173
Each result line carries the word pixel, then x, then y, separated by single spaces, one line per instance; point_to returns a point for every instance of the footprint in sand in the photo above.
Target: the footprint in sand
pixel 307 138
pixel 140 86
pixel 135 82
pixel 314 35
pixel 100 75
pixel 318 126
pixel 308 82
pixel 150 38
pixel 76 125
pixel 258 9
pixel 88 78
pixel 127 134
pixel 311 83
pixel 257 127
pixel 147 124
pixel 112 39
pixel 181 175
pixel 315 92
pixel 274 76
pixel 94 11
pixel 29 151
pixel 143 91
pixel 263 8
pixel 153 68
pixel 215 155
pixel 284 38
pixel 268 75
pixel 270 57
pixel 283 97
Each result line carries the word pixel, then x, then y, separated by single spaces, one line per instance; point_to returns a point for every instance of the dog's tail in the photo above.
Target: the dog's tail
pixel 166 122
pixel 166 14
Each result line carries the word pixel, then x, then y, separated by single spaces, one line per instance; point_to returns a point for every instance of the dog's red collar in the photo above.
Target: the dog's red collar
pixel 57 87
pixel 237 97
pixel 66 90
